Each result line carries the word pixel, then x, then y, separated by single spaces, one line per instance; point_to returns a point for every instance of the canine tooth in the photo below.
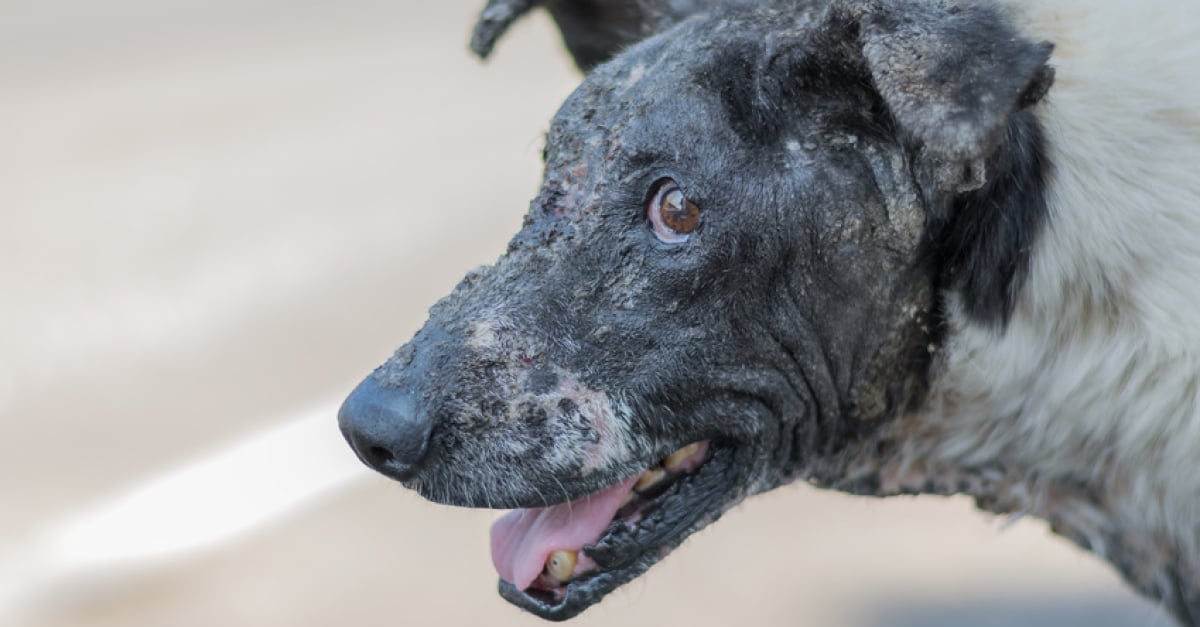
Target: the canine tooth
pixel 561 565
pixel 674 460
pixel 649 479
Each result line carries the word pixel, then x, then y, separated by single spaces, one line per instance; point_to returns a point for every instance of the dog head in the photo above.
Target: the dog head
pixel 749 217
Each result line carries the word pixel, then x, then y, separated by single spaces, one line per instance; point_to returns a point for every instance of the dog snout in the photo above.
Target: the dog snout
pixel 386 428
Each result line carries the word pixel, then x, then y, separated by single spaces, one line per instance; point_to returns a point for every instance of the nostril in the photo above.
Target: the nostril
pixel 386 429
pixel 380 455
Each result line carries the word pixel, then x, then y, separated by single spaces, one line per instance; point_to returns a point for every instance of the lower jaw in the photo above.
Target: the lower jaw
pixel 577 596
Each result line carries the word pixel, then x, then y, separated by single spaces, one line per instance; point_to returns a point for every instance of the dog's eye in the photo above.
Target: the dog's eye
pixel 673 216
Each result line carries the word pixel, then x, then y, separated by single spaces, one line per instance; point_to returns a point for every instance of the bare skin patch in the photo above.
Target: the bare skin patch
pixel 607 425
pixel 483 334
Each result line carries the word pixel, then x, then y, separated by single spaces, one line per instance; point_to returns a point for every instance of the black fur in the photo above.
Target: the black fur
pixel 593 30
pixel 980 244
pixel 979 241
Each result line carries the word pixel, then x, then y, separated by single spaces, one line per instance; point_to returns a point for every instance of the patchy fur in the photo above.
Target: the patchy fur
pixel 946 247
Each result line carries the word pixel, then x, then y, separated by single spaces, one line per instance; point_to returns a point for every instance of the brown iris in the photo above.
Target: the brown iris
pixel 673 216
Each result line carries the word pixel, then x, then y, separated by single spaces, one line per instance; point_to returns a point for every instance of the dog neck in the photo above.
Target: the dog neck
pixel 1083 409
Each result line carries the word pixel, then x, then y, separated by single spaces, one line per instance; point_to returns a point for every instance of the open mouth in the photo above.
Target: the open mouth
pixel 556 561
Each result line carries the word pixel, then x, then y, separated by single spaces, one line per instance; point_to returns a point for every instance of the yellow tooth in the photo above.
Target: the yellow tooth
pixel 628 499
pixel 675 459
pixel 649 479
pixel 561 565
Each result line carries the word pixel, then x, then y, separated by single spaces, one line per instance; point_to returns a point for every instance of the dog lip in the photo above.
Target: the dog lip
pixel 625 552
pixel 579 596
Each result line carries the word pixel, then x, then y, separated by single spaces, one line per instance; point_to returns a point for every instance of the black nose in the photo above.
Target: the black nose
pixel 385 428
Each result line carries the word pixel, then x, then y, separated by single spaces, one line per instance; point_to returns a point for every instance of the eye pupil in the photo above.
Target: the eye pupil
pixel 678 213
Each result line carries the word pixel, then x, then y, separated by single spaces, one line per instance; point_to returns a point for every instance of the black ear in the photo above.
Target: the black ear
pixel 956 77
pixel 593 30
pixel 952 75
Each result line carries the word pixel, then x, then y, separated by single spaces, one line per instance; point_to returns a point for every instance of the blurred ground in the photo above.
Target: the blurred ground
pixel 219 214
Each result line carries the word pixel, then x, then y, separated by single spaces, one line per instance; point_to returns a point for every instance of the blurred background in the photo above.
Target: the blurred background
pixel 216 216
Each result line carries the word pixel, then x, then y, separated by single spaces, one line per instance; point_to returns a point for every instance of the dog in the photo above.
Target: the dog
pixel 884 247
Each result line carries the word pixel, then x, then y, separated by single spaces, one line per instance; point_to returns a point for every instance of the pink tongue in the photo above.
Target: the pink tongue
pixel 524 538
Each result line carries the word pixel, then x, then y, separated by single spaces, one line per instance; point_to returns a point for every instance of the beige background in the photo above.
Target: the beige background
pixel 216 215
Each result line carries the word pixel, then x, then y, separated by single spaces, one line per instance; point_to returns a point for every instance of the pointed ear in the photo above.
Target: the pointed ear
pixel 952 74
pixel 593 30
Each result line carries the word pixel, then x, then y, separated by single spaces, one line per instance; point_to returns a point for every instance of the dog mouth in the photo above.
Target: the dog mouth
pixel 557 561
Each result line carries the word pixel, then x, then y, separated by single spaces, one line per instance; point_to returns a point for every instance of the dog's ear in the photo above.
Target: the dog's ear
pixel 952 73
pixel 593 30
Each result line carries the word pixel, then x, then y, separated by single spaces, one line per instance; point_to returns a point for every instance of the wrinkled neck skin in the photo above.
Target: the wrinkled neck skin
pixel 848 405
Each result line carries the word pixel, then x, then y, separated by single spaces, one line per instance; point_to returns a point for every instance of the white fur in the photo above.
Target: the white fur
pixel 1097 377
